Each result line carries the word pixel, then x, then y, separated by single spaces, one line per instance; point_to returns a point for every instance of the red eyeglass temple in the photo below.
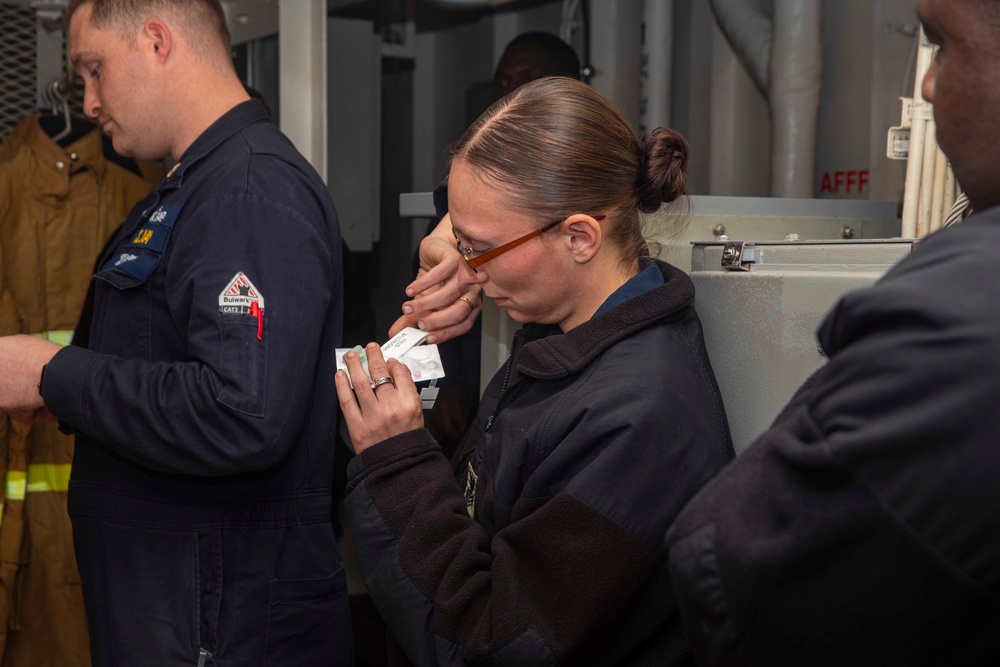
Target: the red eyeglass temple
pixel 496 252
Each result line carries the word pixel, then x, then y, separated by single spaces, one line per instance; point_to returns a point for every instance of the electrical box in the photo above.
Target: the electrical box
pixel 767 219
pixel 760 305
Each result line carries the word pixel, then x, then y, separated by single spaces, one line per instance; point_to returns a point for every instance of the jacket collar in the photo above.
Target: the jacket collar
pixel 549 357
pixel 50 165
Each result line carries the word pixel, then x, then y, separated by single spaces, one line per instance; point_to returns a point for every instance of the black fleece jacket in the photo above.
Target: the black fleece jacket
pixel 585 448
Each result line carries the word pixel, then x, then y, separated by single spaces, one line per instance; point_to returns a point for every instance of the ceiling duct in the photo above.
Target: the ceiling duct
pixel 463 4
pixel 781 44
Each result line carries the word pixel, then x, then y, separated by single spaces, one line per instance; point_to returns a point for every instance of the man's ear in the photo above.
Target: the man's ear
pixel 584 236
pixel 158 37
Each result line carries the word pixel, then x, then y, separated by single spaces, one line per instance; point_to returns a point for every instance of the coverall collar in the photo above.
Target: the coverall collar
pixel 234 120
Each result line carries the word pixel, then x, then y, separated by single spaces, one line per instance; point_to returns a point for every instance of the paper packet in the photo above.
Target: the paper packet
pixel 424 361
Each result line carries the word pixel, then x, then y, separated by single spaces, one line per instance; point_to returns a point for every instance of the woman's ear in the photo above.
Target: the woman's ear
pixel 584 236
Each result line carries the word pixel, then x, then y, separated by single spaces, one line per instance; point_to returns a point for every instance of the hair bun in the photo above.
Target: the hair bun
pixel 661 178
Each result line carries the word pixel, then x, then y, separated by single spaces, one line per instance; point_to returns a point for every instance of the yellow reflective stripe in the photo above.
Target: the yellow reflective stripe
pixel 16 483
pixel 59 336
pixel 40 477
pixel 48 477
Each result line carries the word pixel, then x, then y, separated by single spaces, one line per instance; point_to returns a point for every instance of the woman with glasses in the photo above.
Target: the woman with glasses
pixel 542 542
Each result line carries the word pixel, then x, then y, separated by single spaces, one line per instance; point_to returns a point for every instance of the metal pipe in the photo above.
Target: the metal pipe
pixel 796 76
pixel 748 27
pixel 915 159
pixel 938 206
pixel 781 44
pixel 927 180
pixel 658 17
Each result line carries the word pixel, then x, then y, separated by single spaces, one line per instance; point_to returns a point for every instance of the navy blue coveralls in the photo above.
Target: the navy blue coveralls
pixel 204 406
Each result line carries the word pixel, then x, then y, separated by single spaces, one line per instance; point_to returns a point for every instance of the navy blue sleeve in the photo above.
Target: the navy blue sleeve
pixel 236 398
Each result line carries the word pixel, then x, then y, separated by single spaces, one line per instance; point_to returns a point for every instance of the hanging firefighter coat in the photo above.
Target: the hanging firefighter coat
pixel 58 207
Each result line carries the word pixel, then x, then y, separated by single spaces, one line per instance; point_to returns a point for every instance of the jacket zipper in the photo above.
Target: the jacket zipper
pixel 506 379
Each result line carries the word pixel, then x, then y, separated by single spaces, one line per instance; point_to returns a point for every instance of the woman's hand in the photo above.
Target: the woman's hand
pixel 374 414
pixel 441 305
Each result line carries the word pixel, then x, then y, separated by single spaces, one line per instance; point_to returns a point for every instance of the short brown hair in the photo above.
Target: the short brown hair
pixel 559 147
pixel 126 16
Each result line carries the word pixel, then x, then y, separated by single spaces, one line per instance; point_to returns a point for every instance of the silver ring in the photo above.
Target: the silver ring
pixel 468 301
pixel 378 382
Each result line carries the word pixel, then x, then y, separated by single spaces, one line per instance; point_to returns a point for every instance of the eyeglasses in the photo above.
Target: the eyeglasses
pixel 474 260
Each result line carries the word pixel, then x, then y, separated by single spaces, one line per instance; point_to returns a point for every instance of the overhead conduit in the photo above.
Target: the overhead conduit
pixel 781 44
pixel 470 3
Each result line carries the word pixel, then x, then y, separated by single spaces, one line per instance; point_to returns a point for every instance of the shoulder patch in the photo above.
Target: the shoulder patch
pixel 241 296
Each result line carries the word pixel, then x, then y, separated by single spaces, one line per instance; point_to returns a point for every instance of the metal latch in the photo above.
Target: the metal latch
pixel 739 255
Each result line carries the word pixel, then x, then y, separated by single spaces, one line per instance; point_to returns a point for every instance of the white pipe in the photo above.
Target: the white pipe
pixel 781 44
pixel 915 158
pixel 748 27
pixel 927 180
pixel 938 210
pixel 658 17
pixel 795 81
pixel 302 78
pixel 616 54
pixel 911 189
pixel 926 191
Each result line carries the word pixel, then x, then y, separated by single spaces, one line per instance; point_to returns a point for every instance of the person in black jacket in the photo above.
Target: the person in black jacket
pixel 863 528
pixel 544 543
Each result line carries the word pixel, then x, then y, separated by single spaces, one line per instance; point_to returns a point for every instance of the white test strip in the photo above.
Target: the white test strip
pixel 424 361
pixel 402 342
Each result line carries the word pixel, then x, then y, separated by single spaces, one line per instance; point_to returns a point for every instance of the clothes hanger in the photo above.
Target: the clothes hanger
pixel 57 92
pixel 56 118
pixel 56 97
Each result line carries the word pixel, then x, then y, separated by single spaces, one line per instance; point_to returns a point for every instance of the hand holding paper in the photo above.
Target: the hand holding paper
pixel 380 405
pixel 424 361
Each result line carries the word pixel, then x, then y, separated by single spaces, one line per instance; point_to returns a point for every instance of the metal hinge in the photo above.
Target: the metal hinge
pixel 739 255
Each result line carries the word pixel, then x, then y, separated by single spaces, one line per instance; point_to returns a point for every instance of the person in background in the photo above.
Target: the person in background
pixel 863 528
pixel 530 56
pixel 200 493
pixel 544 543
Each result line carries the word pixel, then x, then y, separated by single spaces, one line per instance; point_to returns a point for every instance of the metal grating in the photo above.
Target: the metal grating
pixel 75 93
pixel 19 53
pixel 76 85
pixel 18 67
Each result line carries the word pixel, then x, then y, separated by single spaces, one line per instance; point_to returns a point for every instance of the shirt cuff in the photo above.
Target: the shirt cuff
pixel 62 385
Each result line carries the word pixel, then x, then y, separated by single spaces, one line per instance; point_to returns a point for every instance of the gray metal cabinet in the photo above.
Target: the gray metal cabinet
pixel 761 314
